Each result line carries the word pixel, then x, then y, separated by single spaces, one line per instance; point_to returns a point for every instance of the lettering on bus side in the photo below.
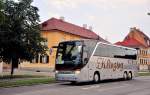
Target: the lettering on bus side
pixel 107 64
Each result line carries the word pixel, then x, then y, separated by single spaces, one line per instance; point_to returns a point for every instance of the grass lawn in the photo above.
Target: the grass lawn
pixel 20 76
pixel 144 73
pixel 24 81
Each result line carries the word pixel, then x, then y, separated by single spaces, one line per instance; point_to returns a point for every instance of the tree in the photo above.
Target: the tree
pixel 1 11
pixel 20 37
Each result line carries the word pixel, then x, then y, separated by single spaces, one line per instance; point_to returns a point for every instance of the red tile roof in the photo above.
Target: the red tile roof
pixel 57 24
pixel 131 42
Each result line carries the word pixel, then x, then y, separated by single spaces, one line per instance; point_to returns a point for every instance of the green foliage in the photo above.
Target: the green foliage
pixel 20 33
pixel 1 11
pixel 26 82
pixel 144 73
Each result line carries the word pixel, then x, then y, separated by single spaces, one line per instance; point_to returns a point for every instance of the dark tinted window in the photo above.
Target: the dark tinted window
pixel 105 50
pixel 89 46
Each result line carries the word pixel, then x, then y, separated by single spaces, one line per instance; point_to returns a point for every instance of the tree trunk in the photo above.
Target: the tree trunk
pixel 12 69
pixel 14 64
pixel 149 68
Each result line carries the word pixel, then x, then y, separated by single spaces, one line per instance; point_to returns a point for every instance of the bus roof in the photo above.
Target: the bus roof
pixel 117 46
pixel 99 42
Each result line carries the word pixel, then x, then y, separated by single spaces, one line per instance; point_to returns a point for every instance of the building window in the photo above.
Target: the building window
pixel 148 51
pixel 45 43
pixel 148 42
pixel 44 59
pixel 143 52
pixel 35 60
pixel 140 61
pixel 146 61
pixel 140 52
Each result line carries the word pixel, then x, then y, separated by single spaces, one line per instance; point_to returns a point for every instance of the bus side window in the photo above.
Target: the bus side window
pixel 102 50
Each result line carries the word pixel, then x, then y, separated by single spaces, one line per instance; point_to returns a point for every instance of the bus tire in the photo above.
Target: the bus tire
pixel 96 77
pixel 130 75
pixel 125 76
pixel 73 82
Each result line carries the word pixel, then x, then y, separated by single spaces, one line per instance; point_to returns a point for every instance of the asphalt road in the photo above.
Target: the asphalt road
pixel 137 86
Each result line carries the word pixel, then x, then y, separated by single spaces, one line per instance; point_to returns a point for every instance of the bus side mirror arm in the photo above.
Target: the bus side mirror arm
pixel 86 60
pixel 54 46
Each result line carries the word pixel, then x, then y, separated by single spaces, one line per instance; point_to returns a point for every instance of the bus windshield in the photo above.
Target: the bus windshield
pixel 69 54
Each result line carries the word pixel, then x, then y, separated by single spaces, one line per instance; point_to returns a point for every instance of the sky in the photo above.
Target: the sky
pixel 110 19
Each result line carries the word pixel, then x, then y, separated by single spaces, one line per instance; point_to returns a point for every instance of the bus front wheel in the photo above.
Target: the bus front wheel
pixel 130 76
pixel 125 76
pixel 96 78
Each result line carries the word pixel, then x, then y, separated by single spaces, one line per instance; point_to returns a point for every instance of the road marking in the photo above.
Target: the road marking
pixel 94 86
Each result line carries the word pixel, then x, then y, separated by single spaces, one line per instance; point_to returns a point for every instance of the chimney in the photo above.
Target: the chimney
pixel 90 28
pixel 62 18
pixel 133 29
pixel 106 38
pixel 85 26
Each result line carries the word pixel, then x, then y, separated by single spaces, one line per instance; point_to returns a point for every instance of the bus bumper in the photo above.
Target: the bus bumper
pixel 66 77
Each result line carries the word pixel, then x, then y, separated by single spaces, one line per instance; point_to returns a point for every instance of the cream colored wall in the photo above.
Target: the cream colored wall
pixel 144 55
pixel 54 37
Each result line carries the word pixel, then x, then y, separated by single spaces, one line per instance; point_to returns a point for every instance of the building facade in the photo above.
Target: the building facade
pixel 137 39
pixel 144 58
pixel 55 31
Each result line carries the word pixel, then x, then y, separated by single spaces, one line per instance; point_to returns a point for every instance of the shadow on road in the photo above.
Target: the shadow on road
pixel 91 83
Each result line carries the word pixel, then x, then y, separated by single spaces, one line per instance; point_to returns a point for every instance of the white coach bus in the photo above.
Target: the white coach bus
pixel 91 60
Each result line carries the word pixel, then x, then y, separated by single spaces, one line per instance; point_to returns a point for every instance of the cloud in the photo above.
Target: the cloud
pixel 91 17
pixel 135 2
pixel 63 4
pixel 78 3
pixel 59 4
pixel 56 15
pixel 109 18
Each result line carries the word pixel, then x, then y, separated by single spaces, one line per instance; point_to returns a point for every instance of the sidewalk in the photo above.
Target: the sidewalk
pixel 49 73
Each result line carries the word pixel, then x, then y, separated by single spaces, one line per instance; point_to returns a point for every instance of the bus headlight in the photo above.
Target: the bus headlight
pixel 56 72
pixel 77 72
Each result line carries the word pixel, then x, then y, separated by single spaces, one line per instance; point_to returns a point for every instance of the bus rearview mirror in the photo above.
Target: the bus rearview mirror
pixel 54 46
pixel 86 60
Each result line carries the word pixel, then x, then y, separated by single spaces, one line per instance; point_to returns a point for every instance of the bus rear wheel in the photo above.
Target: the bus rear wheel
pixel 73 82
pixel 96 78
pixel 130 76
